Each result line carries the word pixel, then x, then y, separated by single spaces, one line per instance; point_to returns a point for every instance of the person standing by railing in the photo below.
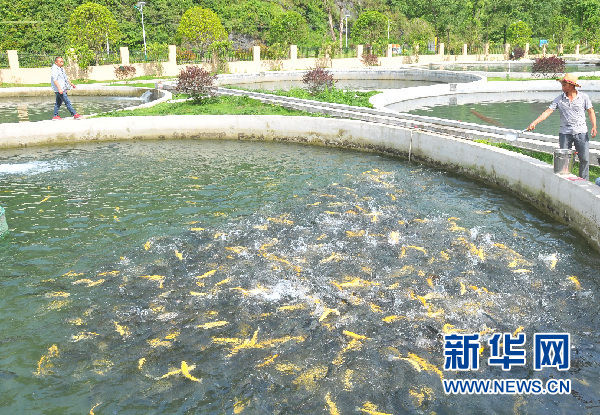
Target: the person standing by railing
pixel 572 106
pixel 60 84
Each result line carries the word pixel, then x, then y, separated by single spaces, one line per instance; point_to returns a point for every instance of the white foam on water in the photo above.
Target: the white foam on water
pixel 34 167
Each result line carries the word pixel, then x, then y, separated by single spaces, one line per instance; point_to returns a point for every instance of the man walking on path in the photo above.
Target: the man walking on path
pixel 572 106
pixel 60 84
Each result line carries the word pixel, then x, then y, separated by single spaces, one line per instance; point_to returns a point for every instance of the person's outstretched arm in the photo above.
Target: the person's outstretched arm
pixel 545 115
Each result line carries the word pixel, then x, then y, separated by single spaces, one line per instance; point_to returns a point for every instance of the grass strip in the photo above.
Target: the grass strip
pixel 334 95
pixel 222 105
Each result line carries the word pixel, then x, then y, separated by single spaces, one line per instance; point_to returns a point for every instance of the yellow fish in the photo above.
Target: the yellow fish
pixel 83 336
pixel 44 365
pixel 237 249
pixel 371 409
pixel 332 407
pixel 334 257
pixel 390 319
pixel 575 281
pixel 421 364
pixel 185 369
pixel 213 324
pixel 94 407
pixel 354 335
pixel 327 312
pixel 268 361
pixel 122 330
pixel 178 255
pixel 292 307
pixel 88 282
pixel 417 248
pixel 207 274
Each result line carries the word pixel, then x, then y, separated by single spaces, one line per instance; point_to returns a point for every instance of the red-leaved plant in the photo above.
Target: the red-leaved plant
pixel 197 82
pixel 369 59
pixel 123 72
pixel 551 66
pixel 318 80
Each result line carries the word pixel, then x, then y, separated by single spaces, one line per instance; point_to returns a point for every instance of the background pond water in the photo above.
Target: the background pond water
pixel 23 109
pixel 238 277
pixel 510 110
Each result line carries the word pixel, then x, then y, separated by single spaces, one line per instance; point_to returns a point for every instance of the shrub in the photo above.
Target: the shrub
pixel 517 53
pixel 550 66
pixel 124 72
pixel 369 59
pixel 318 80
pixel 197 82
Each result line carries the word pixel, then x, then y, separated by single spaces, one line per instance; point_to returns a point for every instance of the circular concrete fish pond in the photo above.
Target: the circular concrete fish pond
pixel 254 277
pixel 514 110
pixel 37 104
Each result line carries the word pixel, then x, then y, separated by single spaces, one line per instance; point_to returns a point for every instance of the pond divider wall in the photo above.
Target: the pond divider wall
pixel 573 201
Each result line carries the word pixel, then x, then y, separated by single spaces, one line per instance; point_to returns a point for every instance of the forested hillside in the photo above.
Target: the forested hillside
pixel 43 25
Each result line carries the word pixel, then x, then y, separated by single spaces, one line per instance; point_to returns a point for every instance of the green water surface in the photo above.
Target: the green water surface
pixel 289 279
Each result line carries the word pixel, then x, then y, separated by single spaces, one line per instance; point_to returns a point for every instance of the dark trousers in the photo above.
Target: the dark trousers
pixel 60 98
pixel 582 146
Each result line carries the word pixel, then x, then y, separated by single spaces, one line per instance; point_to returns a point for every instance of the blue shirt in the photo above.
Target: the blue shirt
pixel 572 113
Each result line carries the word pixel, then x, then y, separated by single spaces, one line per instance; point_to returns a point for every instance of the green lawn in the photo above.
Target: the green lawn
pixel 222 105
pixel 335 95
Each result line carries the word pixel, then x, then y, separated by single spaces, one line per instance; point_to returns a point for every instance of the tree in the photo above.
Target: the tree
pixel 418 32
pixel 591 30
pixel 518 34
pixel 288 28
pixel 371 29
pixel 92 29
pixel 199 28
pixel 561 28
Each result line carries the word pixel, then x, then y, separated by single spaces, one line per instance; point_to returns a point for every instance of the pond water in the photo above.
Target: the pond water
pixel 238 277
pixel 23 109
pixel 511 110
pixel 514 67
pixel 349 84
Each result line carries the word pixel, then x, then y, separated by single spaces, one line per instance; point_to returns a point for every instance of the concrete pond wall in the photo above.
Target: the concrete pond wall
pixel 566 198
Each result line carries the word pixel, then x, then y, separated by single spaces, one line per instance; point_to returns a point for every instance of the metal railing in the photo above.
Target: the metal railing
pixel 4 61
pixel 243 55
pixel 309 52
pixel 349 52
pixel 138 56
pixel 496 49
pixel 188 57
pixel 109 58
pixel 35 60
